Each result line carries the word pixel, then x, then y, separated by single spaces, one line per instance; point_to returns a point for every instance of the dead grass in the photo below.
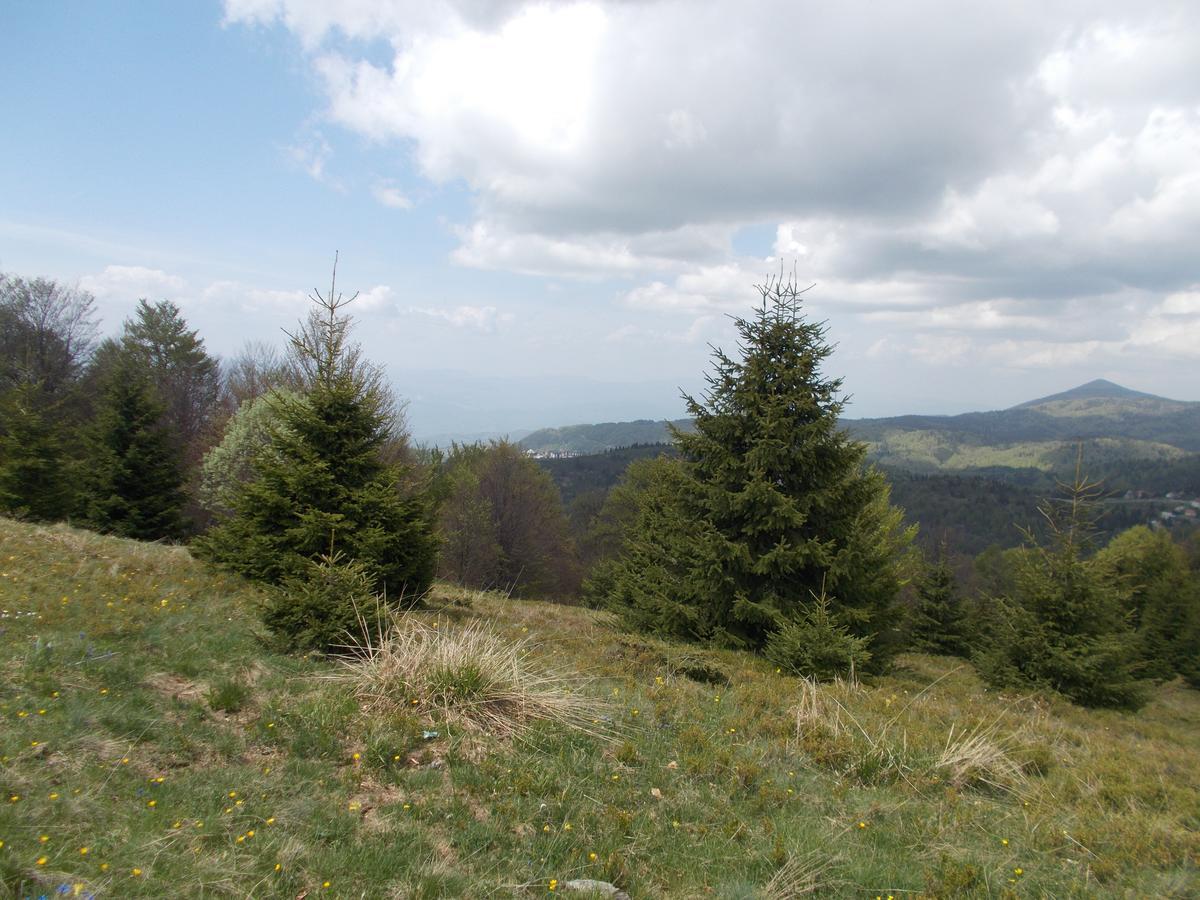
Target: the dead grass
pixel 800 876
pixel 878 744
pixel 979 757
pixel 467 677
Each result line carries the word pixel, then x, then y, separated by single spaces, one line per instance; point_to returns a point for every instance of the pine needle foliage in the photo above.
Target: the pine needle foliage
pixel 817 645
pixel 770 504
pixel 326 609
pixel 322 485
pixel 136 475
pixel 938 622
pixel 34 470
pixel 1064 627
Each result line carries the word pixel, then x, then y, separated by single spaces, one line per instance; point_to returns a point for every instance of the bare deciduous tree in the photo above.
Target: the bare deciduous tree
pixel 47 332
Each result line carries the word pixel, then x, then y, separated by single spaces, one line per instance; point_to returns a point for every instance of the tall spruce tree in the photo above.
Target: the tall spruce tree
pixel 321 487
pixel 135 485
pixel 770 505
pixel 1064 627
pixel 187 379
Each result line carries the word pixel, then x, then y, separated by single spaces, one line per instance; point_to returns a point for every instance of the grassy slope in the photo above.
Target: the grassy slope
pixel 113 654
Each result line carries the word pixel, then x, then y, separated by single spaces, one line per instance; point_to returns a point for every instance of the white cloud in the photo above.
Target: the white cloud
pixel 982 315
pixel 477 318
pixel 372 299
pixel 390 196
pixel 131 283
pixel 285 305
pixel 296 302
pixel 695 332
pixel 1168 337
pixel 1019 188
pixel 1184 303
pixel 311 154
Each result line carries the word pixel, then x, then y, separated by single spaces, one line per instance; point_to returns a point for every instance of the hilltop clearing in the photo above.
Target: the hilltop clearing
pixel 153 745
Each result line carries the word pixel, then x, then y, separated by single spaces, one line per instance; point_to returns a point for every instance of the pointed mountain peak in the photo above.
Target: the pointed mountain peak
pixel 1099 389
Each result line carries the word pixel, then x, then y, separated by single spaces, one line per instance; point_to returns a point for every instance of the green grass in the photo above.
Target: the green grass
pixel 146 720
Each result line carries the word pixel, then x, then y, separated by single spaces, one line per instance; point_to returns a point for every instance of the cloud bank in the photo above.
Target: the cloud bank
pixel 1016 185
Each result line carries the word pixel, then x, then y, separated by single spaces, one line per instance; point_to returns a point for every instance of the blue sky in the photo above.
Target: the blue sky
pixel 551 210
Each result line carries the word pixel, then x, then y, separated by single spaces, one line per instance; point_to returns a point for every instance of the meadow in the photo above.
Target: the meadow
pixel 154 744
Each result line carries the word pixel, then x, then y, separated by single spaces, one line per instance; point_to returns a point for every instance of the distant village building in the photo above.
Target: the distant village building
pixel 553 454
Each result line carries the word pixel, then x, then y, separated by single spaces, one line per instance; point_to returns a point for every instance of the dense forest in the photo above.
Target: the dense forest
pixel 968 512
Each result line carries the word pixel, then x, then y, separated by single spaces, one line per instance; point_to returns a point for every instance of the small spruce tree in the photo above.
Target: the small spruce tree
pixel 817 645
pixel 770 504
pixel 321 485
pixel 329 608
pixel 938 622
pixel 1064 627
pixel 135 486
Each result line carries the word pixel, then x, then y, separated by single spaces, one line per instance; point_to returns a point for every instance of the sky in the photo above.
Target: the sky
pixel 551 210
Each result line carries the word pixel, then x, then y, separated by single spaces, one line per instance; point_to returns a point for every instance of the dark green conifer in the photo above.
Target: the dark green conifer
pixel 135 486
pixel 321 486
pixel 35 480
pixel 770 505
pixel 938 622
pixel 1064 627
pixel 186 378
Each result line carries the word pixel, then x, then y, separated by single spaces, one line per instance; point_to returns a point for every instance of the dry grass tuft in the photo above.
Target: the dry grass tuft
pixel 818 713
pixel 800 876
pixel 469 677
pixel 977 757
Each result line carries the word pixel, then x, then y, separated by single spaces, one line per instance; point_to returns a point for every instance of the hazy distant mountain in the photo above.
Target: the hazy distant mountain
pixel 1101 389
pixel 445 406
pixel 605 436
pixel 1111 420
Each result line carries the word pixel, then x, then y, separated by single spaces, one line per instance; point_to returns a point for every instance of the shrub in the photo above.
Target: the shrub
pixel 502 523
pixel 327 609
pixel 818 645
pixel 230 464
pixel 1161 597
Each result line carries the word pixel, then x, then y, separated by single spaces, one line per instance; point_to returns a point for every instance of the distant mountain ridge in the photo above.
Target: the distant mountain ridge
pixel 604 436
pixel 1114 421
